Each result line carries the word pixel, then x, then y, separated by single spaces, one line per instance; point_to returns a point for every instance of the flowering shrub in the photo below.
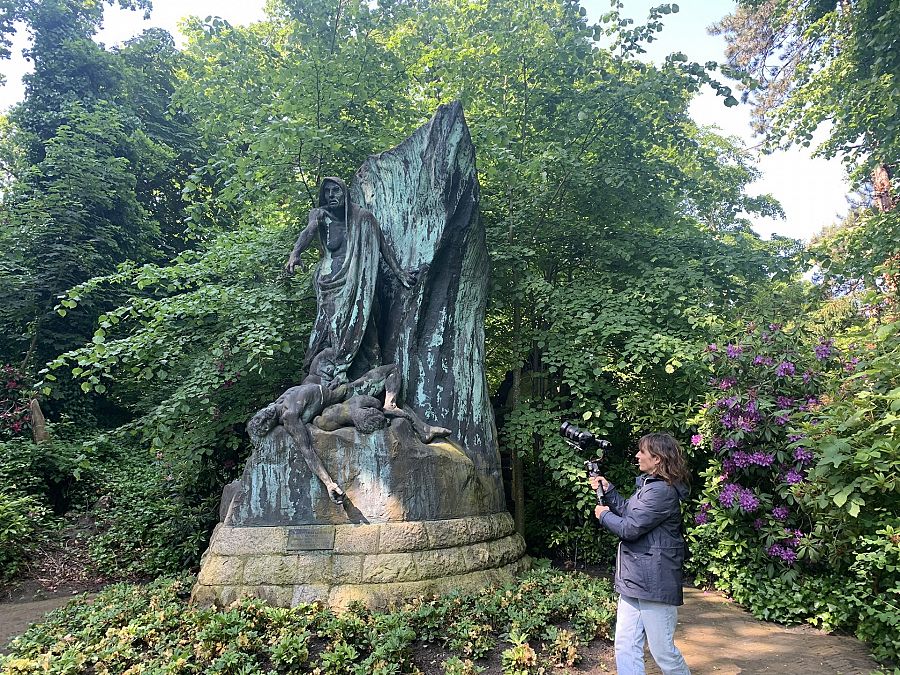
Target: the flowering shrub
pixel 15 417
pixel 764 384
pixel 802 481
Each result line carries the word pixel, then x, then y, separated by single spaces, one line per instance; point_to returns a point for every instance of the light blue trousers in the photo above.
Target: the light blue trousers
pixel 637 618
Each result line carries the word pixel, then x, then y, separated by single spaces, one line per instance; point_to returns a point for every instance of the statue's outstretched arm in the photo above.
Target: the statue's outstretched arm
pixel 303 241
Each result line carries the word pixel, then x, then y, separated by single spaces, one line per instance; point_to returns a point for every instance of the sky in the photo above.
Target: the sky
pixel 812 191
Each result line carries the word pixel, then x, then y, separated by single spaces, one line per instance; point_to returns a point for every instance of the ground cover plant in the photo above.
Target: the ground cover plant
pixel 528 627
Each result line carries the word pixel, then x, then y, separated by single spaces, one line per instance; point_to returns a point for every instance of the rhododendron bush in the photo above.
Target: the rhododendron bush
pixel 798 515
pixel 15 418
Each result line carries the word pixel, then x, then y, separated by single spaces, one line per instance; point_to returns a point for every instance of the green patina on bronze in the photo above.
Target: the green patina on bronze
pixel 392 426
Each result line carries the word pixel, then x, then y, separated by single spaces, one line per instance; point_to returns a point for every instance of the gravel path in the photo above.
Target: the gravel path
pixel 15 617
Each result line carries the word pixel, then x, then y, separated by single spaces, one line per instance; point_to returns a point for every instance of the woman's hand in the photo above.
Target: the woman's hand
pixel 599 481
pixel 599 510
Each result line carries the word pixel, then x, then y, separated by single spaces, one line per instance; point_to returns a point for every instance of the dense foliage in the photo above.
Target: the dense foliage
pixel 570 140
pixel 92 167
pixel 538 623
pixel 150 197
pixel 801 487
pixel 815 62
pixel 801 492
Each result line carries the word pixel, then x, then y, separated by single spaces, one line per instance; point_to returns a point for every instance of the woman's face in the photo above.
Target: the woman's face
pixel 647 462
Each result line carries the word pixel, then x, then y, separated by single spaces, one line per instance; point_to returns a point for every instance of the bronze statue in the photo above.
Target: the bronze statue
pixel 321 400
pixel 352 244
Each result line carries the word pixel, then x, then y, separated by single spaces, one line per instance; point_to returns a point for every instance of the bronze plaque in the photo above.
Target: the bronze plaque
pixel 313 538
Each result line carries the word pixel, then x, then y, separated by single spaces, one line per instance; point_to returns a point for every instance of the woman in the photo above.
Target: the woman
pixel 650 557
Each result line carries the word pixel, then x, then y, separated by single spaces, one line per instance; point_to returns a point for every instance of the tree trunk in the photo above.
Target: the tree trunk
pixel 518 468
pixel 881 182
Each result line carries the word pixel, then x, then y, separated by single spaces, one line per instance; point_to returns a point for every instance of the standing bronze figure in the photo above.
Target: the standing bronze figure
pixel 352 244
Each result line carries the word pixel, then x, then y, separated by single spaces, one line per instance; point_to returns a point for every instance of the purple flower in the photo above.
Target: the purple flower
pixel 758 523
pixel 803 455
pixel 734 351
pixel 811 402
pixel 786 553
pixel 823 350
pixel 785 368
pixel 850 365
pixel 702 516
pixel 697 439
pixel 762 361
pixel 728 494
pixel 731 443
pixel 785 402
pixel 717 443
pixel 738 421
pixel 774 327
pixel 807 376
pixel 727 383
pixel 712 347
pixel 729 402
pixel 781 420
pixel 780 513
pixel 792 477
pixel 747 501
pixel 762 458
pixel 734 495
pixel 742 459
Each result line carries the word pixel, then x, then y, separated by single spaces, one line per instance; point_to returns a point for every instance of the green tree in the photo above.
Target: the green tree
pixel 94 164
pixel 817 62
pixel 615 227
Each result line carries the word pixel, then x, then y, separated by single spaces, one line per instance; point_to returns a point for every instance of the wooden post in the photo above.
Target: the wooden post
pixel 38 423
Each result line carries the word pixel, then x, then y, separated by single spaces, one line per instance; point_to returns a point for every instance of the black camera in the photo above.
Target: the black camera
pixel 585 440
pixel 581 439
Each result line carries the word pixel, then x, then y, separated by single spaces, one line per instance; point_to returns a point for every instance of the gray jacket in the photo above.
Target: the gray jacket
pixel 651 551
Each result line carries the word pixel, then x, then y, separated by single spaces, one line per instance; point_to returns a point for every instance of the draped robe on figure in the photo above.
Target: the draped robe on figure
pixel 345 292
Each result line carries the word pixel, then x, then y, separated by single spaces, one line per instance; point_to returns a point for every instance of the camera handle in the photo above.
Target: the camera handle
pixel 601 496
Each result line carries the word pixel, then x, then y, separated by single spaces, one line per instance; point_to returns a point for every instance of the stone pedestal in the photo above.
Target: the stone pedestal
pixel 376 564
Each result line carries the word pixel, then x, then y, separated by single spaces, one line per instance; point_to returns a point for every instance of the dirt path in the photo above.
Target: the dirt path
pixel 716 638
pixel 15 617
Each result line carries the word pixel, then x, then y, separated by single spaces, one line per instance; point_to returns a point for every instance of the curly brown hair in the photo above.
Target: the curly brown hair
pixel 672 465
